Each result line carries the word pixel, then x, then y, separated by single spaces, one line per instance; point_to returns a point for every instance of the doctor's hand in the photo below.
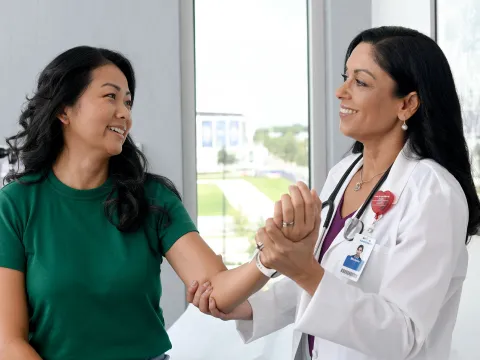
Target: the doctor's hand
pixel 295 213
pixel 199 295
pixel 294 259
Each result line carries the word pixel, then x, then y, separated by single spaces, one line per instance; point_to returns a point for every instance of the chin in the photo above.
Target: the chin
pixel 351 130
pixel 347 130
pixel 113 151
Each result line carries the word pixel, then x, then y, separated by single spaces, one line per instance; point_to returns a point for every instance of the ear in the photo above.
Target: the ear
pixel 409 106
pixel 63 116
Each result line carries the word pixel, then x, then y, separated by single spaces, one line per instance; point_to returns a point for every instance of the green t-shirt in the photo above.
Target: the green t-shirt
pixel 93 292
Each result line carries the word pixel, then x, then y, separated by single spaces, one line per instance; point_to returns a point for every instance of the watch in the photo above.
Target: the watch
pixel 271 273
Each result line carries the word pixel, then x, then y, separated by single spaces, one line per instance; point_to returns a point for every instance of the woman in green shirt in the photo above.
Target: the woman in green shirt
pixel 84 226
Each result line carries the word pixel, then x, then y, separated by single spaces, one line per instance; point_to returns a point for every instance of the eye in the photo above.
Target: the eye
pixel 344 76
pixel 360 83
pixel 129 103
pixel 111 95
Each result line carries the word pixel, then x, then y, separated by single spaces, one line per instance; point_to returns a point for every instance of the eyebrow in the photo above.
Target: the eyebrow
pixel 356 71
pixel 118 88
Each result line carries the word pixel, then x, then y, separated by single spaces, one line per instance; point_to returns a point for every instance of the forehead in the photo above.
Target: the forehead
pixel 362 57
pixel 109 74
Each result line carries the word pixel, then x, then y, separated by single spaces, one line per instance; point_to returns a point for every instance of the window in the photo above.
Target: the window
pixel 458 34
pixel 251 63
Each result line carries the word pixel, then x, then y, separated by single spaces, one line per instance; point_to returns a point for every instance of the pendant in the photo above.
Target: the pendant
pixel 358 186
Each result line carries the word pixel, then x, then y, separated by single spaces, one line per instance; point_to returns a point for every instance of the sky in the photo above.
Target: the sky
pixel 252 59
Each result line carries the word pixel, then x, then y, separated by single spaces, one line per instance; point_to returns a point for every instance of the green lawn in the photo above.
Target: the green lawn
pixel 272 187
pixel 210 201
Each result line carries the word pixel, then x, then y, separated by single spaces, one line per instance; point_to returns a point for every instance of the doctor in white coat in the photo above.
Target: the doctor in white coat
pixel 406 193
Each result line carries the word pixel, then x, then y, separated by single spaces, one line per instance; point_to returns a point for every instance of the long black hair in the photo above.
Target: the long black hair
pixel 40 141
pixel 416 63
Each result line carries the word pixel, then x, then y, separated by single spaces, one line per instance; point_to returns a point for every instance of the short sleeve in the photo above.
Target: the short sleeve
pixel 12 251
pixel 174 218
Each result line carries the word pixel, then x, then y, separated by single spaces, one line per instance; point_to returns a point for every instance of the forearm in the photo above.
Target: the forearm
pixel 310 279
pixel 18 350
pixel 232 287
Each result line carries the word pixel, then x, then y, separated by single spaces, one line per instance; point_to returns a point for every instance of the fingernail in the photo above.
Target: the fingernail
pixel 194 283
pixel 207 284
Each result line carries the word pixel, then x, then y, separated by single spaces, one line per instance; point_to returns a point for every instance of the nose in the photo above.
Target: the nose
pixel 125 114
pixel 342 92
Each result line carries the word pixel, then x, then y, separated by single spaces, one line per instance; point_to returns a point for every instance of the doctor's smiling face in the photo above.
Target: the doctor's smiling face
pixel 370 108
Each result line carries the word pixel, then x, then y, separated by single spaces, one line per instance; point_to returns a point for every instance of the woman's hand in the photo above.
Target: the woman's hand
pixel 288 240
pixel 200 297
pixel 293 259
pixel 296 212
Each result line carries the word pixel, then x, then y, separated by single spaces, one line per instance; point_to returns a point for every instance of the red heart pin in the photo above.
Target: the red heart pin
pixel 382 202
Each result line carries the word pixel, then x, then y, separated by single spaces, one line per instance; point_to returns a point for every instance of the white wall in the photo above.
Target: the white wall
pixel 33 32
pixel 344 20
pixel 415 14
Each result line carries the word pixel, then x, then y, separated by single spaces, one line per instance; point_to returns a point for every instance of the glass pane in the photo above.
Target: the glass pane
pixel 252 115
pixel 458 28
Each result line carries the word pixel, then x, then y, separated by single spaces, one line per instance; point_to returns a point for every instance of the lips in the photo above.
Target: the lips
pixel 347 111
pixel 117 130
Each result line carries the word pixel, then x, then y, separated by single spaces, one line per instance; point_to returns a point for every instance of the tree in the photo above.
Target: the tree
pixel 244 228
pixel 260 136
pixel 224 158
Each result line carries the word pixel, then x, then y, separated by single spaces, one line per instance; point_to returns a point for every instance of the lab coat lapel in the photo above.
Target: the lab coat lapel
pixel 336 179
pixel 395 182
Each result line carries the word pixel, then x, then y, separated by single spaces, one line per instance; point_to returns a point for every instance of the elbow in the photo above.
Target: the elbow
pixel 224 302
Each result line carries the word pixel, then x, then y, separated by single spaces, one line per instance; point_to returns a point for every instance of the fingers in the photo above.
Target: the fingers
pixel 309 204
pixel 316 198
pixel 318 204
pixel 204 301
pixel 318 210
pixel 214 311
pixel 287 209
pixel 298 205
pixel 191 291
pixel 198 294
pixel 278 214
pixel 271 234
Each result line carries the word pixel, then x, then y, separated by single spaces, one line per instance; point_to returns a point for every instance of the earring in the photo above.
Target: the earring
pixel 404 126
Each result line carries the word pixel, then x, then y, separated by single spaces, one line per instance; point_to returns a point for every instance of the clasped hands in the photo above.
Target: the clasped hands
pixel 286 243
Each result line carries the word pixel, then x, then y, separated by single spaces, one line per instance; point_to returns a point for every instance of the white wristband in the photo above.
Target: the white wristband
pixel 271 273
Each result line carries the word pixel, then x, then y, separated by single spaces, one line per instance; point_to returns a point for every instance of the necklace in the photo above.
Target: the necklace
pixel 359 184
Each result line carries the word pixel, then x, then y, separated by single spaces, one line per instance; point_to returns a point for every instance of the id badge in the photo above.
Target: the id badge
pixel 356 259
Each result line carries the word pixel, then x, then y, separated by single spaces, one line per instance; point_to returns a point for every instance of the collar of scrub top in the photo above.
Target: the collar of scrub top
pixel 396 181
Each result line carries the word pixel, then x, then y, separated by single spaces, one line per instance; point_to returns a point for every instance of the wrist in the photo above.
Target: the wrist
pixel 270 273
pixel 310 279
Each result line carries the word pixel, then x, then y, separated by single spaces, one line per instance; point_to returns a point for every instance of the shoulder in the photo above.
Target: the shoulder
pixel 431 187
pixel 431 178
pixel 161 188
pixel 21 188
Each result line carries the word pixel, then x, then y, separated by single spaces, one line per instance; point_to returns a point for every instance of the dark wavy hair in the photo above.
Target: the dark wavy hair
pixel 416 63
pixel 40 141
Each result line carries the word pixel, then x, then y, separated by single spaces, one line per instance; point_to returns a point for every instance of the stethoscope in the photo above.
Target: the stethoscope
pixel 353 225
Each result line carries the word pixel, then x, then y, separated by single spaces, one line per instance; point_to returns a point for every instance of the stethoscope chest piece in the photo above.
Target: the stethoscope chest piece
pixel 353 226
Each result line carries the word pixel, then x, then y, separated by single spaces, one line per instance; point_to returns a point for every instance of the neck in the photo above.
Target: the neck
pixel 378 156
pixel 79 171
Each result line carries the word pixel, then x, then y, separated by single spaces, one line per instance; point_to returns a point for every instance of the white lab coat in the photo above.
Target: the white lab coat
pixel 405 304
